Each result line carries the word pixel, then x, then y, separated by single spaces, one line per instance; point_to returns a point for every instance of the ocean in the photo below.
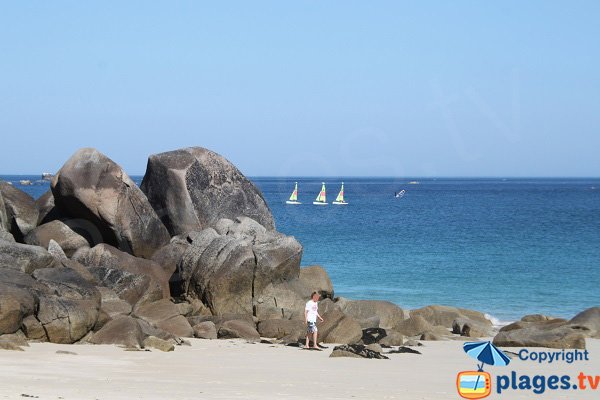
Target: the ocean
pixel 507 247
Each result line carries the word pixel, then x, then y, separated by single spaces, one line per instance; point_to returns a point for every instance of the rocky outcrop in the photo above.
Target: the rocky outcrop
pixel 446 315
pixel 64 236
pixel 20 212
pixel 192 189
pixel 461 321
pixel 135 280
pixel 542 331
pixel 24 258
pixel 69 309
pixel 55 304
pixel 92 187
pixel 227 271
pixel 559 337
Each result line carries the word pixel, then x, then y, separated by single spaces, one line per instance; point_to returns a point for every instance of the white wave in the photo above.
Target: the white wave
pixel 496 323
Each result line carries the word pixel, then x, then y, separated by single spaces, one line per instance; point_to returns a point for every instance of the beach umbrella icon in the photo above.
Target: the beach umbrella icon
pixel 487 353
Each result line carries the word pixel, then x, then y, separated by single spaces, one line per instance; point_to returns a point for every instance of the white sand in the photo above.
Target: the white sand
pixel 237 370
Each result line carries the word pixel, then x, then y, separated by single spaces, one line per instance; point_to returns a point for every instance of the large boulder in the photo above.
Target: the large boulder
pixel 135 280
pixel 165 315
pixel 587 321
pixel 413 326
pixel 33 329
pixel 92 187
pixel 69 310
pixel 373 313
pixel 58 231
pixel 46 210
pixel 219 270
pixel 332 315
pixel 23 257
pixel 346 331
pixel 169 258
pixel 205 330
pixel 279 328
pixel 228 272
pixel 277 259
pixel 316 278
pixel 15 304
pixel 193 188
pixel 111 304
pixel 124 331
pixel 20 211
pixel 238 329
pixel 283 300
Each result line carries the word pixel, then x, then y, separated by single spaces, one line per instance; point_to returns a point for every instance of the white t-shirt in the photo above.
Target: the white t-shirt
pixel 312 309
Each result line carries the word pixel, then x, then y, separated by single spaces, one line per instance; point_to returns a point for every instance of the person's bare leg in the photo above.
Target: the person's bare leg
pixel 307 340
pixel 315 340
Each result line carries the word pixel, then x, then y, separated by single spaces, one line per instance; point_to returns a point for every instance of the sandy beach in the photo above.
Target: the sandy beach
pixel 235 369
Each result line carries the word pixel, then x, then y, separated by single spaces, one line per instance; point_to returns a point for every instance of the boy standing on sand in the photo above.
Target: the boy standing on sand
pixel 311 313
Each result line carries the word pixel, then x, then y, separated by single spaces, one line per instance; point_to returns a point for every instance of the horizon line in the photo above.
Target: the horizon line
pixel 385 176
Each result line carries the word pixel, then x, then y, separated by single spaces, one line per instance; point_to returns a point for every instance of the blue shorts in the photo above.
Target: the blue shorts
pixel 312 327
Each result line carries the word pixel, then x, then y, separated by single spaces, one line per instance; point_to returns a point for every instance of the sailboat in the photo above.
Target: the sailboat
pixel 400 193
pixel 340 197
pixel 321 199
pixel 294 197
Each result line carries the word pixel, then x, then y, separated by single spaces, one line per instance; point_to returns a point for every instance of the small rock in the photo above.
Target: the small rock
pixel 404 349
pixel 205 330
pixel 375 347
pixel 158 344
pixel 356 351
pixel 66 352
pixel 392 339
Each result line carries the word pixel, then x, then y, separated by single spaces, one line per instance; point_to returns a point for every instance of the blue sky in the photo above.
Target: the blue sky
pixel 422 88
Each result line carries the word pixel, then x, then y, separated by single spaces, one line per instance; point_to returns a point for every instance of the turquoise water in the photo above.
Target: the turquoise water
pixel 506 247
